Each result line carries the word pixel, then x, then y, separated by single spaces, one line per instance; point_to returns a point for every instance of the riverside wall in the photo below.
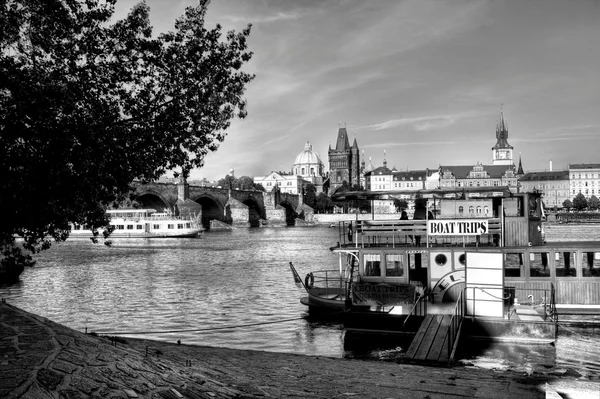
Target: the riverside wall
pixel 571 232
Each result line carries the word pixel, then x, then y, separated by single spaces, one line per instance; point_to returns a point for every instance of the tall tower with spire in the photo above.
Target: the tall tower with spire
pixel 344 162
pixel 502 152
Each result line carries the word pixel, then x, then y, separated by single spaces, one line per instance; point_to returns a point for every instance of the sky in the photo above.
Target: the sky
pixel 422 80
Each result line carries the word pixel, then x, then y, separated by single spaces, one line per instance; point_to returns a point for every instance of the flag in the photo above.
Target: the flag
pixel 297 279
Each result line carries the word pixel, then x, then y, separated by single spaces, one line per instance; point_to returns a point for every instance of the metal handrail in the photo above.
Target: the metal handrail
pixel 456 323
pixel 420 301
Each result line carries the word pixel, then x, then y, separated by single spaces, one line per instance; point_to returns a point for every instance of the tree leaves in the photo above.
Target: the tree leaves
pixel 87 107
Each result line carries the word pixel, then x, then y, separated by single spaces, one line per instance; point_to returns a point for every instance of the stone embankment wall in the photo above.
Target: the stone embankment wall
pixel 571 232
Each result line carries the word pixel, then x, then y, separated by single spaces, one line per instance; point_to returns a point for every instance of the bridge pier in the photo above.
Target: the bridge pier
pixel 237 213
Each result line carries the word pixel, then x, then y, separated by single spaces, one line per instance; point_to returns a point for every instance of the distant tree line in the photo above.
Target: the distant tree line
pixel 580 203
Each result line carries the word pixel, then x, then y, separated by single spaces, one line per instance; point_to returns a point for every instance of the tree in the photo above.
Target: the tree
pixel 243 183
pixel 579 202
pixel 87 106
pixel 324 204
pixel 567 204
pixel 310 195
pixel 594 203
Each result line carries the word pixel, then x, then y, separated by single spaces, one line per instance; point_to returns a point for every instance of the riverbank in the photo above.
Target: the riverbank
pixel 43 359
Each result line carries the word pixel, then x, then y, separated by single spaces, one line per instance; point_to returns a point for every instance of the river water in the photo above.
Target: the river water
pixel 230 289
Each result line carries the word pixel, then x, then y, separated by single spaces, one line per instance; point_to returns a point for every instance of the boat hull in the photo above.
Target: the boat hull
pixel 193 233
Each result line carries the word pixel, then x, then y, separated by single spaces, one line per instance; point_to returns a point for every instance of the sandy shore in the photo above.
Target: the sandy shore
pixel 43 359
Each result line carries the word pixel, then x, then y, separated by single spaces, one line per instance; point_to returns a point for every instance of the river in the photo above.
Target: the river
pixel 229 289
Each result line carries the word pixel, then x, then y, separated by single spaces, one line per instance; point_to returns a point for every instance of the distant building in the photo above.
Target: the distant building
pixel 478 175
pixel 554 186
pixel 344 162
pixel 502 152
pixel 384 179
pixel 584 178
pixel 291 184
pixel 502 171
pixel 310 167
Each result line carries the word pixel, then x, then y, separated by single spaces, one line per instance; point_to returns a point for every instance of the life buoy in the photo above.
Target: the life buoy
pixel 309 280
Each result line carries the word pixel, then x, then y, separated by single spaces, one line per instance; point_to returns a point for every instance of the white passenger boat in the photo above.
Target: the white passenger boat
pixel 144 223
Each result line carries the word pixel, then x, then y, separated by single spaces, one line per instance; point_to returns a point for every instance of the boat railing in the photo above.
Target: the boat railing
pixel 456 320
pixel 375 233
pixel 329 281
pixel 542 300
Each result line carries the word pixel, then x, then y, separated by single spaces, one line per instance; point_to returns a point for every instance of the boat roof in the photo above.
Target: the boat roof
pixel 448 193
pixel 131 210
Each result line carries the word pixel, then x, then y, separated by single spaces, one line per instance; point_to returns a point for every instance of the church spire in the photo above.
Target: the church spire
pixel 384 160
pixel 520 170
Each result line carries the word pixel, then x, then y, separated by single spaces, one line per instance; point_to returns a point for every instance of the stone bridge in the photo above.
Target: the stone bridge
pixel 215 206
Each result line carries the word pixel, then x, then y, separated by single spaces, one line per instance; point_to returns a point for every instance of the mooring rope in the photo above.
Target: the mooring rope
pixel 204 329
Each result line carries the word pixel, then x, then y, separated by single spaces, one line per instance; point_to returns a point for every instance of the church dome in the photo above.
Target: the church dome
pixel 308 163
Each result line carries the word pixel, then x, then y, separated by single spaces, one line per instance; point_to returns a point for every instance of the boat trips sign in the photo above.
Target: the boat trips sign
pixel 464 227
pixel 384 294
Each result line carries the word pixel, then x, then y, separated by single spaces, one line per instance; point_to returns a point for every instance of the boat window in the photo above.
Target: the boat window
pixel 513 263
pixel 120 227
pixel 180 225
pixel 565 264
pixel 590 264
pixel 393 266
pixel 171 226
pixel 129 227
pixel 138 227
pixel 372 265
pixel 538 264
pixel 188 225
pixel 156 226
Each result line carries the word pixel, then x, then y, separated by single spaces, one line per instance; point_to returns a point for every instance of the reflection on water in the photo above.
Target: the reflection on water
pixel 225 279
pixel 204 287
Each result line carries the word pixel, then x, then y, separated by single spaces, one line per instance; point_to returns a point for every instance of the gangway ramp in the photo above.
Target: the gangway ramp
pixel 430 344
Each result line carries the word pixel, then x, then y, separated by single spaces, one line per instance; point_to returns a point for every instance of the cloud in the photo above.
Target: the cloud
pixel 422 123
pixel 280 16
pixel 407 144
pixel 565 133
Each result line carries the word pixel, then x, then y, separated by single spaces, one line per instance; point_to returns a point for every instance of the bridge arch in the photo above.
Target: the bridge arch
pixel 153 200
pixel 212 209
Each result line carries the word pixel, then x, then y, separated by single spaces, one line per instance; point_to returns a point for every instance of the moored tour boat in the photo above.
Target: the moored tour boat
pixel 144 223
pixel 488 267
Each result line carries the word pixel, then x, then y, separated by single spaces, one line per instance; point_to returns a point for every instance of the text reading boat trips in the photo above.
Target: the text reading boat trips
pixel 453 227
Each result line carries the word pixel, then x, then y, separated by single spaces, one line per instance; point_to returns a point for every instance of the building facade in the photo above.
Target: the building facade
pixel 384 179
pixel 291 184
pixel 554 186
pixel 344 162
pixel 584 178
pixel 479 175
